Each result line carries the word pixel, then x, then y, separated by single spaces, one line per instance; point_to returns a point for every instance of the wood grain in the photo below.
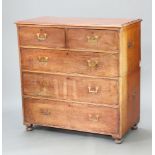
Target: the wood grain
pixel 66 87
pixel 107 40
pixel 130 53
pixel 81 74
pixel 81 117
pixel 85 22
pixel 55 36
pixel 71 62
pixel 133 106
pixel 129 101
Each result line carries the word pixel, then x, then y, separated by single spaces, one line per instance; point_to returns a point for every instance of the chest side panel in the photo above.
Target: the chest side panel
pixel 130 52
pixel 129 81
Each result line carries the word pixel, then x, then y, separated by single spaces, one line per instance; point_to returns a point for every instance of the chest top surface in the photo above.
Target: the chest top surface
pixel 65 21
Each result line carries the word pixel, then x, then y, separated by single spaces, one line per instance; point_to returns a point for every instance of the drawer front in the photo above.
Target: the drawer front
pixel 88 63
pixel 81 117
pixel 42 36
pixel 93 39
pixel 101 91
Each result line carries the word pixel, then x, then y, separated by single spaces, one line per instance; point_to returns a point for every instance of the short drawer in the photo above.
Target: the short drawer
pixel 86 63
pixel 80 117
pixel 42 36
pixel 82 89
pixel 107 40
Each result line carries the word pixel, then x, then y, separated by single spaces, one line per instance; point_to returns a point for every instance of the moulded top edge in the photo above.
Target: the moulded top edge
pixel 79 22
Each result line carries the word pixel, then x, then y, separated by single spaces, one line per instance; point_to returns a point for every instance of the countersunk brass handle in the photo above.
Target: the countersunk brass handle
pixel 134 96
pixel 92 39
pixel 92 63
pixel 131 44
pixel 94 118
pixel 43 59
pixel 45 112
pixel 41 37
pixel 93 90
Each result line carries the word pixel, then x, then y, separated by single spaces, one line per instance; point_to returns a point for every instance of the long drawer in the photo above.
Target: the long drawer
pixel 82 89
pixel 88 63
pixel 81 117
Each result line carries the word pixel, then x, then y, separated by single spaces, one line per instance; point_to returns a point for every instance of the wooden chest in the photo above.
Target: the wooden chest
pixel 81 74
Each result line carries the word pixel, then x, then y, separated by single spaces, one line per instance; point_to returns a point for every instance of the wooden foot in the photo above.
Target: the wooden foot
pixel 29 127
pixel 135 127
pixel 118 141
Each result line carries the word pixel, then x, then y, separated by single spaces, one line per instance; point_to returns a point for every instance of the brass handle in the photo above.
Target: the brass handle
pixel 131 44
pixel 43 59
pixel 134 93
pixel 41 37
pixel 45 112
pixel 134 96
pixel 94 118
pixel 93 90
pixel 92 64
pixel 92 39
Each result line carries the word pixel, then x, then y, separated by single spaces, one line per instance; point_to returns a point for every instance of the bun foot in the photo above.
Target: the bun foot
pixel 29 127
pixel 118 141
pixel 135 127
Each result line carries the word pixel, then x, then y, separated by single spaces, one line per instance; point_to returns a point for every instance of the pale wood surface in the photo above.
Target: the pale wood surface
pixel 71 62
pixel 55 37
pixel 72 116
pixel 71 88
pixel 129 81
pixel 102 96
pixel 130 57
pixel 79 21
pixel 108 40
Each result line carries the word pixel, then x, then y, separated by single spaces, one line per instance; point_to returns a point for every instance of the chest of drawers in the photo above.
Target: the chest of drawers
pixel 81 74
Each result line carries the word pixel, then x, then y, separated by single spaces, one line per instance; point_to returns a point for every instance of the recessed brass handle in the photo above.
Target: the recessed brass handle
pixel 92 63
pixel 134 96
pixel 94 118
pixel 43 59
pixel 41 37
pixel 92 39
pixel 131 44
pixel 93 90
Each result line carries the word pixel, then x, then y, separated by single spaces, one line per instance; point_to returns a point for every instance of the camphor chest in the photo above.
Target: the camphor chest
pixel 81 74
